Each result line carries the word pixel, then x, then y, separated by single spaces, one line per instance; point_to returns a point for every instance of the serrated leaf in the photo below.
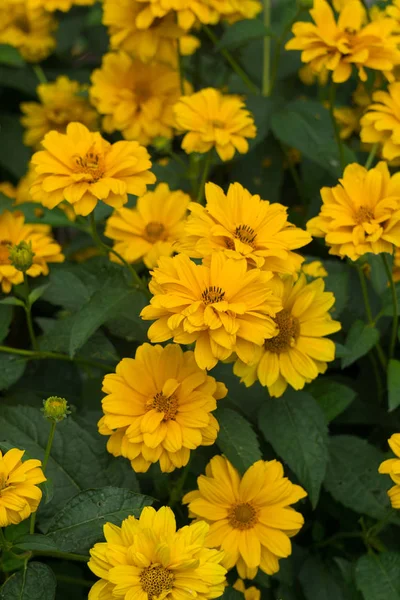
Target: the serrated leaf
pixel 333 397
pixel 10 56
pixel 295 426
pixel 38 582
pixel 242 32
pixel 237 439
pixel 318 581
pixel 12 368
pixel 393 381
pixel 67 289
pixel 378 576
pixel 80 523
pixel 360 340
pixel 352 476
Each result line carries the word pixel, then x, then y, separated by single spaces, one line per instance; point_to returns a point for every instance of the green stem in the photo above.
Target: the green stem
pixel 62 555
pixel 178 159
pixel 138 283
pixel 377 528
pixel 332 97
pixel 368 311
pixel 395 322
pixel 44 465
pixel 206 170
pixel 28 312
pixel 229 59
pixel 340 536
pixel 266 78
pixel 41 355
pixel 39 73
pixel 180 67
pixel 74 580
pixel 371 156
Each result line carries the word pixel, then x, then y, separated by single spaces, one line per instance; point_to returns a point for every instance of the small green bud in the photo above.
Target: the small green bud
pixel 21 256
pixel 55 408
pixel 161 144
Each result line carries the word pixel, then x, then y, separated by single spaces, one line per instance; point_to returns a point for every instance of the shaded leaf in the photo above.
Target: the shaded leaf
pixel 6 314
pixel 12 368
pixel 37 583
pixel 10 56
pixel 332 396
pixel 393 381
pixel 318 581
pixel 378 576
pixel 240 33
pixel 360 340
pixel 237 439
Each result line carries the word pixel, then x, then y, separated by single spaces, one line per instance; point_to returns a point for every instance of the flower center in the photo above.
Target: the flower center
pixel 213 294
pixel 243 516
pixel 154 231
pixel 289 331
pixel 363 214
pixel 167 405
pixel 217 123
pixel 245 234
pixel 91 164
pixel 4 252
pixel 155 580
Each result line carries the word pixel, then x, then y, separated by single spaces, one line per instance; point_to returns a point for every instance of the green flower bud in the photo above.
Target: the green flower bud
pixel 21 256
pixel 55 408
pixel 162 144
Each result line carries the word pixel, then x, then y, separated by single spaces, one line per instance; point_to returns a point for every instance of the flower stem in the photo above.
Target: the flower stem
pixel 206 170
pixel 266 78
pixel 138 283
pixel 44 465
pixel 28 312
pixel 368 311
pixel 180 67
pixel 371 156
pixel 39 73
pixel 41 355
pixel 62 555
pixel 332 97
pixel 229 59
pixel 395 322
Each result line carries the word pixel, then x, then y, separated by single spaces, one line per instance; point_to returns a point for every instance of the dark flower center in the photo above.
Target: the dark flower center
pixel 289 331
pixel 155 580
pixel 154 231
pixel 245 234
pixel 243 516
pixel 213 294
pixel 167 405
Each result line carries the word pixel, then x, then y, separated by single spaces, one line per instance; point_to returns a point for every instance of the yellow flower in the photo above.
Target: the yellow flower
pixel 250 518
pixel 52 5
pixel 149 42
pixel 223 308
pixel 13 230
pixel 309 77
pixel 237 10
pixel 8 189
pixel 149 230
pixel 19 491
pixel 158 408
pixel 82 168
pixel 251 593
pixel 243 226
pixel 60 103
pixel 361 214
pixel 314 269
pixel 28 30
pixel 149 559
pixel 381 124
pixel 213 120
pixel 337 46
pixel 394 11
pixel 348 120
pixel 188 13
pixel 299 352
pixel 392 467
pixel 136 98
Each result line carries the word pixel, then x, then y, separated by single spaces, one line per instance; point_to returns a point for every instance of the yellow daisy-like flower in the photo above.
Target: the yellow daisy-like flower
pixel 8 189
pixel 223 308
pixel 243 226
pixel 361 214
pixel 53 5
pixel 213 120
pixel 29 30
pixel 392 467
pixel 151 229
pixel 314 269
pixel 157 41
pixel 299 352
pixel 14 230
pixel 251 518
pixel 60 103
pixel 158 408
pixel 251 593
pixel 19 492
pixel 394 11
pixel 348 120
pixel 309 77
pixel 188 13
pixel 241 9
pixel 149 559
pixel 82 168
pixel 136 98
pixel 338 46
pixel 381 124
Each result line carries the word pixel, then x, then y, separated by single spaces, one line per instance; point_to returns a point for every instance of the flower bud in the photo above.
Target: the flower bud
pixel 21 256
pixel 162 144
pixel 55 408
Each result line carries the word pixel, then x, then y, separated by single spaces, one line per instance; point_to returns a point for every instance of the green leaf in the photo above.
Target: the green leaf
pixel 36 583
pixel 78 459
pixel 14 156
pixel 37 293
pixel 393 381
pixel 295 426
pixel 54 217
pixel 240 33
pixel 332 396
pixel 236 439
pixel 231 594
pixel 360 340
pixel 80 523
pixel 306 125
pixel 10 56
pixel 338 282
pixel 67 288
pixel 352 476
pixel 6 315
pixel 11 301
pixel 378 275
pixel 127 324
pixel 378 576
pixel 11 369
pixel 36 542
pixel 318 581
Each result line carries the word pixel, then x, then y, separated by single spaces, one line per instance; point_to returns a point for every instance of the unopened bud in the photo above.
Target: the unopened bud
pixel 55 408
pixel 21 256
pixel 162 144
